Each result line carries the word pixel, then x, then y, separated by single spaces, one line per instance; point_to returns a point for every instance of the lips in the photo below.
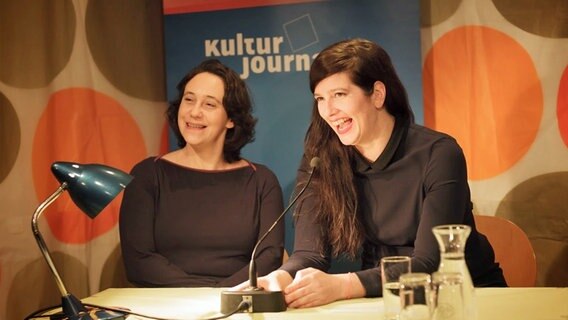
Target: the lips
pixel 342 125
pixel 194 125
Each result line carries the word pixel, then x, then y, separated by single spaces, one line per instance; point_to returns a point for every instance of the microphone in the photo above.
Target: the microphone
pixel 259 299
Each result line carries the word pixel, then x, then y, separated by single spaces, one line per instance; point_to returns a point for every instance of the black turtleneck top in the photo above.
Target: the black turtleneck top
pixel 418 182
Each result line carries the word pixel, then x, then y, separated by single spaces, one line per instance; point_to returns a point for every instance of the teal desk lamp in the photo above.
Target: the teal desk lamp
pixel 91 187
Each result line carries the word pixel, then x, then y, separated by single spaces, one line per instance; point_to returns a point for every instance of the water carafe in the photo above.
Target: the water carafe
pixel 451 239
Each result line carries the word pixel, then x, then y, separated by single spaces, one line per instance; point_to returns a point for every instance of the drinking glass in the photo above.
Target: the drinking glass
pixel 391 269
pixel 415 296
pixel 448 302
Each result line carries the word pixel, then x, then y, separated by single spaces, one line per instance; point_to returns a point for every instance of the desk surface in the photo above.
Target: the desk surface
pixel 196 303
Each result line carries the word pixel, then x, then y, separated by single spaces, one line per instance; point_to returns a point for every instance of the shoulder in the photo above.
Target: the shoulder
pixel 436 140
pixel 145 166
pixel 427 133
pixel 264 173
pixel 262 170
pixel 439 147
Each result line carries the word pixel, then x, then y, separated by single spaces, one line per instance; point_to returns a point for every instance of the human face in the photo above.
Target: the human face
pixel 348 110
pixel 202 119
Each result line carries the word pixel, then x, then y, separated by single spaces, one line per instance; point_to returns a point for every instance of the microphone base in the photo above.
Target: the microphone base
pixel 260 300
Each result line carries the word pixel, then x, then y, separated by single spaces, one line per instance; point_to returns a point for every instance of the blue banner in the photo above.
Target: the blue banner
pixel 272 48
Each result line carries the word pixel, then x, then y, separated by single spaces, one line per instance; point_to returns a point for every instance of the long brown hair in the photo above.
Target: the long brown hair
pixel 336 206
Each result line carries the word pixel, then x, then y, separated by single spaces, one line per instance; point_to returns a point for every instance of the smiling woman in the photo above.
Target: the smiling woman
pixel 384 182
pixel 357 117
pixel 191 217
pixel 203 122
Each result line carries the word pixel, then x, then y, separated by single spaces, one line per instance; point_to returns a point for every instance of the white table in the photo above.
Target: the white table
pixel 196 303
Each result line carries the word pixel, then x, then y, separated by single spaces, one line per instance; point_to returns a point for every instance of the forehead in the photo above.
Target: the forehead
pixel 333 82
pixel 206 84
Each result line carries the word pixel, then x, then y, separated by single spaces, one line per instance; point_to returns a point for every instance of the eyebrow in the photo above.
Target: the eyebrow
pixel 206 96
pixel 333 90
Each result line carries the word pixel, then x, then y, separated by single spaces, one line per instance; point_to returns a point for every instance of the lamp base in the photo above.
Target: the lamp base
pixel 98 314
pixel 73 309
pixel 261 300
pixel 90 314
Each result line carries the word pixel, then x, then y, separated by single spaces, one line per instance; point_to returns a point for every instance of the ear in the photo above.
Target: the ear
pixel 379 94
pixel 230 124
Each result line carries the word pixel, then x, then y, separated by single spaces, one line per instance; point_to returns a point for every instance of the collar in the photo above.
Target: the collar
pixel 400 130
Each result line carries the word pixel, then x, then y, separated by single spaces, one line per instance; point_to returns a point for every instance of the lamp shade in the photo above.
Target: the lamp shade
pixel 91 186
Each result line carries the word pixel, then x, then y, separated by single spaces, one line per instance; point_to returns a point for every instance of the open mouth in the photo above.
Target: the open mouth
pixel 194 125
pixel 342 125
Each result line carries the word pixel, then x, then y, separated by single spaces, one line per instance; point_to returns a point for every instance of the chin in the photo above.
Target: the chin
pixel 347 142
pixel 348 138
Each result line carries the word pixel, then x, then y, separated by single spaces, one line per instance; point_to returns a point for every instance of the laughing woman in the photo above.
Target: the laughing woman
pixel 382 184
pixel 191 217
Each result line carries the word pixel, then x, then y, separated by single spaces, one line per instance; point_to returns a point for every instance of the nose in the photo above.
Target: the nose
pixel 195 111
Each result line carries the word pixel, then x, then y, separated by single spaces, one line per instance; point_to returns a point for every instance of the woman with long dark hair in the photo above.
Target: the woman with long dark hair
pixel 382 184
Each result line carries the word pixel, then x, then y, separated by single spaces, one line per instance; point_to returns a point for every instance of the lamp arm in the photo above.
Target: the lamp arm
pixel 41 242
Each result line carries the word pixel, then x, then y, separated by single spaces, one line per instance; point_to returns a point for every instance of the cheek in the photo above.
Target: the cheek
pixel 321 110
pixel 181 113
pixel 180 117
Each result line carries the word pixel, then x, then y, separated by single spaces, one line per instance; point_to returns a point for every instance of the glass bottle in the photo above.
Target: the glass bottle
pixel 451 239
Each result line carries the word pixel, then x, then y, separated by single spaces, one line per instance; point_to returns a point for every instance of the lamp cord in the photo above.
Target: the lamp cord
pixel 244 305
pixel 37 314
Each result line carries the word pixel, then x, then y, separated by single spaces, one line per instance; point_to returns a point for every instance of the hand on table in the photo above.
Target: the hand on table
pixel 312 287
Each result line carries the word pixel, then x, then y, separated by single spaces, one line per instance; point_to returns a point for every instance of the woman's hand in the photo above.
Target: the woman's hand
pixel 275 281
pixel 312 287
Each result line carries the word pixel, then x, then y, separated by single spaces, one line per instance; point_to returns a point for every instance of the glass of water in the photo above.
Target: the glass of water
pixel 391 270
pixel 415 296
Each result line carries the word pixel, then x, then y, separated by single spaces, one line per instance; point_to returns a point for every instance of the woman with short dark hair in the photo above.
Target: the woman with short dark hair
pixel 191 217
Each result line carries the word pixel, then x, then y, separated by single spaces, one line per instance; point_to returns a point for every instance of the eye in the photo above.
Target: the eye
pixel 210 104
pixel 339 94
pixel 318 99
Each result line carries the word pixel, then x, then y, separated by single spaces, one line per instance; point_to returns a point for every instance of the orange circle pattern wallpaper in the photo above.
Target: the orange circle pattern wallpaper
pixel 495 78
pixel 83 81
pixel 80 81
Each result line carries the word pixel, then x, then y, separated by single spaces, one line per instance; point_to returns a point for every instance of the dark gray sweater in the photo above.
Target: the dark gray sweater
pixel 181 227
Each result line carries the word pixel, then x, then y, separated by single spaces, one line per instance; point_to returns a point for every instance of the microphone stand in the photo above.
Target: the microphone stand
pixel 259 299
